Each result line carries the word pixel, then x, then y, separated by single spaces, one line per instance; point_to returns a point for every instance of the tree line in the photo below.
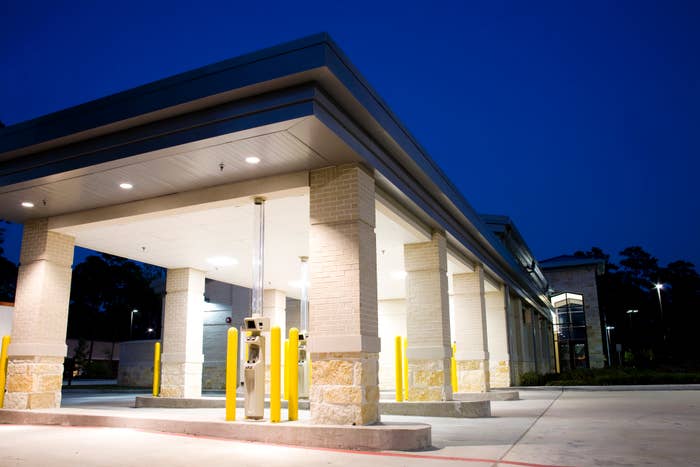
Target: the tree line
pixel 655 310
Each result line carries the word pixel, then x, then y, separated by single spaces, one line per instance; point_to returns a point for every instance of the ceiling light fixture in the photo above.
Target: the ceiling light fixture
pixel 27 204
pixel 126 186
pixel 252 160
pixel 222 261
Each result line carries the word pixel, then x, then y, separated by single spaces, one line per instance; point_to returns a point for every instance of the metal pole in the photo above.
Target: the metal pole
pixel 258 257
pixel 156 370
pixel 293 403
pixel 275 375
pixel 3 368
pixel 231 370
pixel 304 318
pixel 398 358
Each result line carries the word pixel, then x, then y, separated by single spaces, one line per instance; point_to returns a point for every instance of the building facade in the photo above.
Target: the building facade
pixel 178 172
pixel 578 326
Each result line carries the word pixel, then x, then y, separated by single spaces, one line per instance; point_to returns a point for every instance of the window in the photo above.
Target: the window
pixel 570 329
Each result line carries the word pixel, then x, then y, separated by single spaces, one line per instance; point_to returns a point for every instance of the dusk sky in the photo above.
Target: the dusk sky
pixel 579 120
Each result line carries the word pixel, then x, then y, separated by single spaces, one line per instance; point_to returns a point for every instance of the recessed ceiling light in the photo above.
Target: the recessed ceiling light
pixel 126 186
pixel 221 261
pixel 252 160
pixel 27 204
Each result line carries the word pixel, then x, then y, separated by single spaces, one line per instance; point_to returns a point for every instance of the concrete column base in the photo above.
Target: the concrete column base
pixel 345 388
pixel 180 379
pixel 427 381
pixel 473 375
pixel 34 382
pixel 499 374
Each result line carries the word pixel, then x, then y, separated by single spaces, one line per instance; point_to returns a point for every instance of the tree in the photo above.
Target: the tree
pixel 669 338
pixel 106 289
pixel 8 273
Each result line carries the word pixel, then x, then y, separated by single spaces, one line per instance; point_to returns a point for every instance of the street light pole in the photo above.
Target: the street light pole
pixel 131 326
pixel 658 286
pixel 607 334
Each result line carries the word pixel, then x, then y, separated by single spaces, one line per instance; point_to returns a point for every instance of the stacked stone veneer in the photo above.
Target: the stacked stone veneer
pixel 428 320
pixel 181 374
pixel 499 358
pixel 35 364
pixel 343 297
pixel 471 331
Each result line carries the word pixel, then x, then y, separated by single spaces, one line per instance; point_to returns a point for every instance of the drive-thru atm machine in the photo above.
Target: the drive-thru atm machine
pixel 254 369
pixel 303 372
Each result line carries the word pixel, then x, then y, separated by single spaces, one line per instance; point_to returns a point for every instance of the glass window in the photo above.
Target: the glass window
pixel 571 333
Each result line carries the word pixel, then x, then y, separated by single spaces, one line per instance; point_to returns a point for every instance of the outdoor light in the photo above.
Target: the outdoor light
pixel 659 286
pixel 609 328
pixel 126 186
pixel 150 329
pixel 27 204
pixel 222 261
pixel 252 160
pixel 131 325
pixel 629 312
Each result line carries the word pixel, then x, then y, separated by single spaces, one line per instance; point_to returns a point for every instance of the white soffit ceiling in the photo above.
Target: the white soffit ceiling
pixel 189 239
pixel 295 145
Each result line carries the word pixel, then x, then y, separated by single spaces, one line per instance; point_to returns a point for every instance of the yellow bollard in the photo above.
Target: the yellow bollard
pixel 275 374
pixel 286 369
pixel 398 360
pixel 293 403
pixel 3 369
pixel 231 370
pixel 453 368
pixel 156 370
pixel 405 369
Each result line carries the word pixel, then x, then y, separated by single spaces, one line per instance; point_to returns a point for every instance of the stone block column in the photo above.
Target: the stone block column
pixel 344 343
pixel 516 355
pixel 527 340
pixel 275 308
pixel 470 331
pixel 499 357
pixel 183 329
pixel 428 320
pixel 38 340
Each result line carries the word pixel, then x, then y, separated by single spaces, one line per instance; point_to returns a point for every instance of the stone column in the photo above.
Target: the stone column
pixel 527 340
pixel 183 329
pixel 516 356
pixel 499 357
pixel 470 331
pixel 343 297
pixel 275 308
pixel 38 340
pixel 428 320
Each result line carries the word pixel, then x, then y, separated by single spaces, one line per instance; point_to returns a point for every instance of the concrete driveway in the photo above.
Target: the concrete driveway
pixel 545 428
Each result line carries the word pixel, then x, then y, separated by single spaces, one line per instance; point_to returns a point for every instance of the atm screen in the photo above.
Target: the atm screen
pixel 250 324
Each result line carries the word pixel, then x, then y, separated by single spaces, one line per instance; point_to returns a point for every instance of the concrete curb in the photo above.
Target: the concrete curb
pixel 487 396
pixel 455 409
pixel 644 387
pixel 394 436
pixel 452 409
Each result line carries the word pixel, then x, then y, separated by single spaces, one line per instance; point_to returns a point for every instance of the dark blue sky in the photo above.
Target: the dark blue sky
pixel 580 120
